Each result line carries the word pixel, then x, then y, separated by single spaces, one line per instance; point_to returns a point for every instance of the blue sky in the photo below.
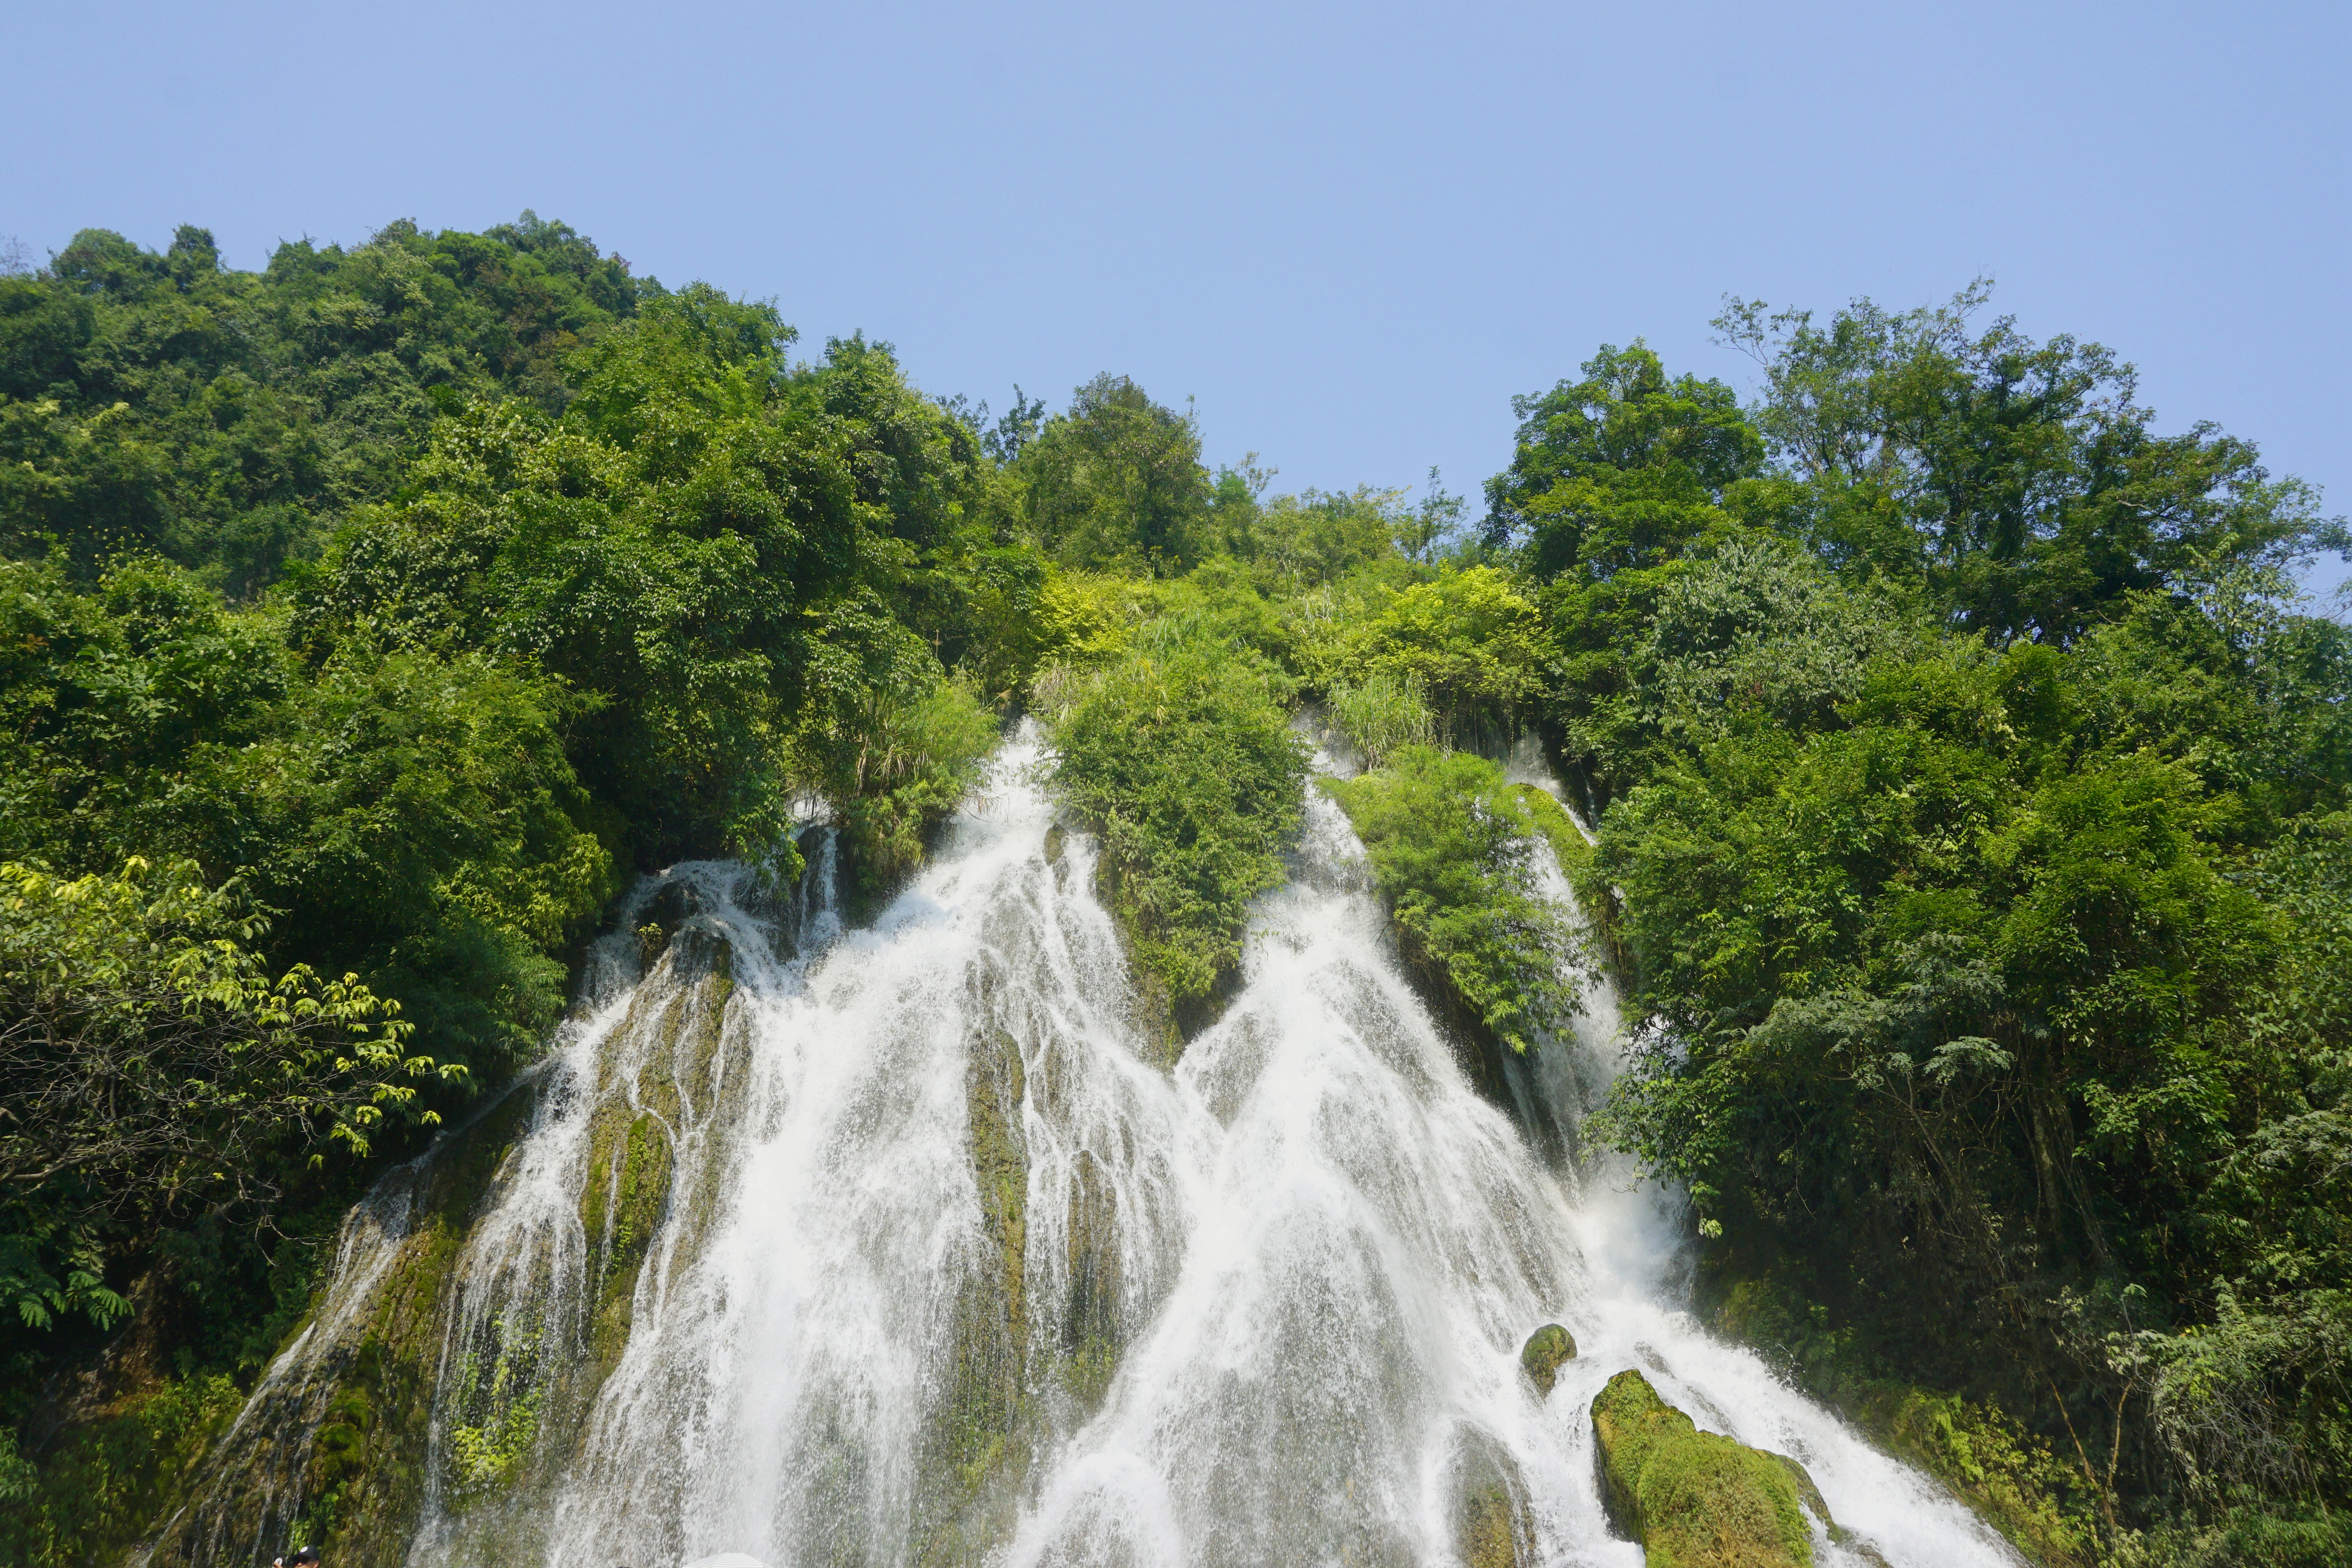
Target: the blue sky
pixel 1350 233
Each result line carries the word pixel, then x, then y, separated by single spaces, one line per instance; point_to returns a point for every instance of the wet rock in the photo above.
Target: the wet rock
pixel 1694 1499
pixel 333 1446
pixel 1492 1528
pixel 673 904
pixel 977 1444
pixel 676 902
pixel 1547 1350
pixel 1091 1337
pixel 621 1207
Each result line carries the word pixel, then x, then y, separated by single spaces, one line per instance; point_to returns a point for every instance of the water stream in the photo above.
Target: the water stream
pixel 905 1244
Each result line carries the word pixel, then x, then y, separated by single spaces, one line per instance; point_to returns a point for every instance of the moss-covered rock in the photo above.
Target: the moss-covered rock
pixel 1156 1015
pixel 2013 1480
pixel 332 1454
pixel 1090 1328
pixel 1491 1527
pixel 1547 1350
pixel 1594 896
pixel 1694 1499
pixel 980 1442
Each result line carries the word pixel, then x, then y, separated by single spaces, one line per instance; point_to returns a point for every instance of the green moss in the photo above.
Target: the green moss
pixel 362 1470
pixel 1090 1331
pixel 1491 1533
pixel 497 1399
pixel 1155 1008
pixel 1984 1455
pixel 1694 1499
pixel 1547 1350
pixel 2016 1484
pixel 1492 1528
pixel 1559 830
pixel 1579 864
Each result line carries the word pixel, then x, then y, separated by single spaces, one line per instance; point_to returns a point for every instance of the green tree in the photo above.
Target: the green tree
pixel 150 1065
pixel 1116 480
pixel 229 420
pixel 2021 482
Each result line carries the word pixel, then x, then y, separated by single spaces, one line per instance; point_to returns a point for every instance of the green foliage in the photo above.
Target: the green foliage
pixel 1947 730
pixel 897 767
pixel 1622 470
pixel 228 420
pixel 411 817
pixel 2019 483
pixel 1465 639
pixel 1118 481
pixel 1452 850
pixel 150 1066
pixel 1182 757
pixel 1314 537
pixel 102 1484
pixel 1382 713
pixel 722 555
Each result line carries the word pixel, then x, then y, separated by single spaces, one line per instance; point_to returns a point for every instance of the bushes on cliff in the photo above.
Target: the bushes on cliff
pixel 1181 757
pixel 1452 852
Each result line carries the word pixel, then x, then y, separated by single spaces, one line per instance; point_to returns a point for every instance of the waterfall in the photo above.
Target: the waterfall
pixel 905 1244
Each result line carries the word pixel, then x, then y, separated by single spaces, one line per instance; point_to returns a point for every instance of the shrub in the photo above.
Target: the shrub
pixel 1452 849
pixel 1184 761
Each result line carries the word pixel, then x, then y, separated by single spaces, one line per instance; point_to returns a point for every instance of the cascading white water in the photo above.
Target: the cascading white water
pixel 1264 1308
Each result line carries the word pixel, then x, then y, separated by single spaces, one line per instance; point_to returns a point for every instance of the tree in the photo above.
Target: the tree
pixel 150 1065
pixel 2020 482
pixel 1117 480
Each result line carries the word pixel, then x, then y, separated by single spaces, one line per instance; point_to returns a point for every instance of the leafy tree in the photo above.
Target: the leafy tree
pixel 1470 640
pixel 1117 480
pixel 1621 469
pixel 150 1065
pixel 412 815
pixel 713 549
pixel 2021 482
pixel 228 420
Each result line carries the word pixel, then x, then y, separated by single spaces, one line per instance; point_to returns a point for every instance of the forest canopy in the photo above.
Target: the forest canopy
pixel 1969 787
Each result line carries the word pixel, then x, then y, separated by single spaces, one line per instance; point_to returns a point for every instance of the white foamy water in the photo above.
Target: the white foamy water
pixel 1271 1301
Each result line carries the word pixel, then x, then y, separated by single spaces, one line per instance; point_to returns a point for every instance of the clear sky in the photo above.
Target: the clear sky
pixel 1350 232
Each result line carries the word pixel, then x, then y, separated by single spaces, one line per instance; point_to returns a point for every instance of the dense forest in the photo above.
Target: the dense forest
pixel 1969 787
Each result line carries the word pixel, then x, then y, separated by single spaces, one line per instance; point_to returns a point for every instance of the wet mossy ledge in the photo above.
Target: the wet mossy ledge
pixel 1493 1525
pixel 2013 1479
pixel 1699 1500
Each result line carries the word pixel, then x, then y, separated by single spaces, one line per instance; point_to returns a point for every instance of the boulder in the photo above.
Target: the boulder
pixel 1694 1499
pixel 1546 1350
